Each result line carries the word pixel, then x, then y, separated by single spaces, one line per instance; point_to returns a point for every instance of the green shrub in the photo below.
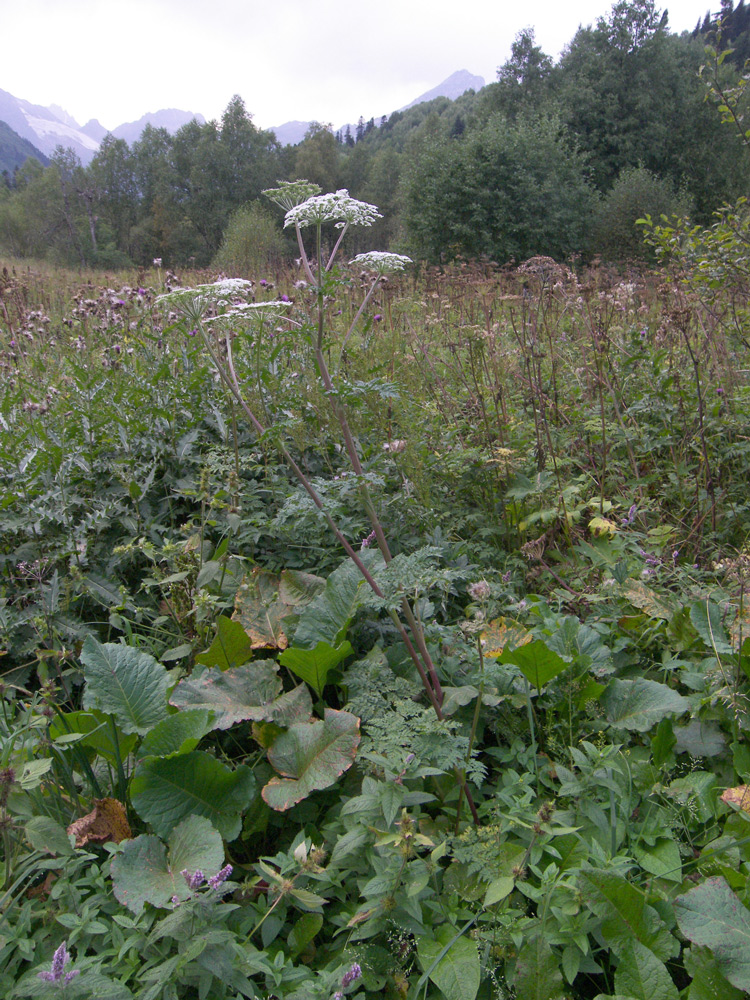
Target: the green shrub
pixel 252 242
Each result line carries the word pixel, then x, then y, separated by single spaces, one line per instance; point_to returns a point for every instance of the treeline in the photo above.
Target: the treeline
pixel 554 159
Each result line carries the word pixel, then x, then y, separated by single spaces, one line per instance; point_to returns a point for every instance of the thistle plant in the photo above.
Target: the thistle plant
pixel 311 211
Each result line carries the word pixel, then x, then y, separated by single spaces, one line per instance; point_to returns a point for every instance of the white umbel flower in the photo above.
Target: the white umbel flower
pixel 337 207
pixel 380 261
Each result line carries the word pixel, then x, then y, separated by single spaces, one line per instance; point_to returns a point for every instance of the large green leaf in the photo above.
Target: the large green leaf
pixel 327 618
pixel 640 704
pixel 145 873
pixel 232 646
pixel 166 790
pixel 706 619
pixel 179 733
pixel 536 661
pixel 642 976
pixel 313 665
pixel 538 975
pixel 712 916
pixel 625 916
pixel 311 756
pixel 95 731
pixel 251 692
pixel 707 981
pixel 265 601
pixel 126 683
pixel 457 973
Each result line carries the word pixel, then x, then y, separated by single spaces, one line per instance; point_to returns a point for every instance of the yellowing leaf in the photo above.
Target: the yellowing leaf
pixel 502 632
pixel 601 526
pixel 738 796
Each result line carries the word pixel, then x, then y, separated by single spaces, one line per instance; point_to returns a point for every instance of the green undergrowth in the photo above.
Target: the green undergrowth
pixel 194 675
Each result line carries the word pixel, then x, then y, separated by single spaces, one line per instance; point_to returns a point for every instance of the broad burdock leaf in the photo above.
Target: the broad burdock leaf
pixel 538 975
pixel 699 739
pixel 235 695
pixel 327 618
pixel 642 976
pixel 248 693
pixel 311 756
pixel 126 683
pixel 265 602
pixel 625 916
pixel 707 981
pixel 706 619
pixel 640 704
pixel 146 871
pixel 536 661
pixel 314 665
pixel 179 733
pixel 457 974
pixel 232 646
pixel 93 729
pixel 165 791
pixel 711 915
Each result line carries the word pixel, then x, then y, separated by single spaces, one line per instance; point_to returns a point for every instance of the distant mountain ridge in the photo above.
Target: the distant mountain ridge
pixel 48 128
pixel 38 130
pixel 291 133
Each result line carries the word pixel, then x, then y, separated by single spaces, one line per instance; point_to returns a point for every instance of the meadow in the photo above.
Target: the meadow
pixel 377 629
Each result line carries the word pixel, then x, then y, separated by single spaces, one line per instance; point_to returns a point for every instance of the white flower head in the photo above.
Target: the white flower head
pixel 195 302
pixel 337 207
pixel 380 261
pixel 291 193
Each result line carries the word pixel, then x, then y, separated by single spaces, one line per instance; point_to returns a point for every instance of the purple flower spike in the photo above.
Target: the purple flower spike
pixel 354 973
pixel 57 972
pixel 194 881
pixel 220 877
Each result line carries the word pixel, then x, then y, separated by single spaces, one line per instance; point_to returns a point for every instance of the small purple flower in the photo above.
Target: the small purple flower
pixel 377 318
pixel 141 291
pixel 57 973
pixel 194 881
pixel 506 577
pixel 720 391
pixel 191 333
pixel 220 877
pixel 354 973
pixel 175 900
pixel 675 556
pixel 285 298
pixel 630 515
pixel 262 282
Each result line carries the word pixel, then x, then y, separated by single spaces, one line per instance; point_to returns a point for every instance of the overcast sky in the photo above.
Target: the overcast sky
pixel 330 60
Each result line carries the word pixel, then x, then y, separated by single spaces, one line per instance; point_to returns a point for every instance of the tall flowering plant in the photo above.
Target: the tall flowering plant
pixel 307 211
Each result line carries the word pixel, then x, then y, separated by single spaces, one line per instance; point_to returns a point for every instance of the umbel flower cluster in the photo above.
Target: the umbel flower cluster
pixel 337 207
pixel 381 261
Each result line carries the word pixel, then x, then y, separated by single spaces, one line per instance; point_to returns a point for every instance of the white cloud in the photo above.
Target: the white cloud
pixel 331 60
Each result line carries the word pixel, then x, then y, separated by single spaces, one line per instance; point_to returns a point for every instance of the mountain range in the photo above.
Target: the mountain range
pixel 34 130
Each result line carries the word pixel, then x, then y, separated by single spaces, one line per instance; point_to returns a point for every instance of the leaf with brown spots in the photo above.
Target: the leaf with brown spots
pixel 106 822
pixel 265 600
pixel 502 632
pixel 738 796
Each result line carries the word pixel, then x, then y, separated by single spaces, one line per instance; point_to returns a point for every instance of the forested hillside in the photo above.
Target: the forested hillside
pixel 553 158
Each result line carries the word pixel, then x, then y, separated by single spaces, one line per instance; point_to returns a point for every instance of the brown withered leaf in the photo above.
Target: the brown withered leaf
pixel 107 821
pixel 738 796
pixel 44 888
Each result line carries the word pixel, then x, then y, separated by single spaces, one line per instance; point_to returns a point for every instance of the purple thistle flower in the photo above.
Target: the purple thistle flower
pixel 285 298
pixel 220 877
pixel 377 318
